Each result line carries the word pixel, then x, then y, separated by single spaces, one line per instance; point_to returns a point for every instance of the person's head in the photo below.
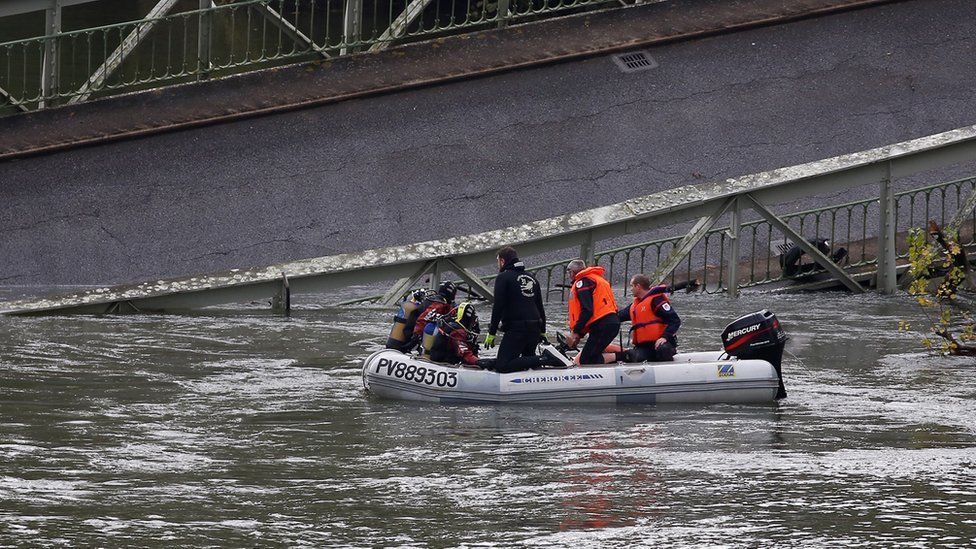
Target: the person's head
pixel 823 245
pixel 420 295
pixel 506 256
pixel 639 284
pixel 448 290
pixel 466 316
pixel 574 267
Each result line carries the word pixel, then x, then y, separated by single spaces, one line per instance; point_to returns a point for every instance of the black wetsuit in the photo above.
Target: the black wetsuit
pixel 518 310
pixel 790 261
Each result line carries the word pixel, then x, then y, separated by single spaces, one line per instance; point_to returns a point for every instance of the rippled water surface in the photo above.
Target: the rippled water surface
pixel 238 428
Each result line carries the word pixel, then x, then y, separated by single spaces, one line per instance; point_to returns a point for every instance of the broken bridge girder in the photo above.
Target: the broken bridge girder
pixel 289 29
pixel 472 279
pixel 659 209
pixel 281 301
pixel 392 296
pixel 13 102
pixel 683 248
pixel 117 57
pixel 142 30
pixel 121 307
pixel 398 27
pixel 435 268
pixel 798 239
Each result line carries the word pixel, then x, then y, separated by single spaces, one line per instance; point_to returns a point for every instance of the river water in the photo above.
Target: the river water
pixel 236 428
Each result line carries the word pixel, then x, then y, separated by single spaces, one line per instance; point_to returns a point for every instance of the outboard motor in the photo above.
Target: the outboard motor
pixel 757 336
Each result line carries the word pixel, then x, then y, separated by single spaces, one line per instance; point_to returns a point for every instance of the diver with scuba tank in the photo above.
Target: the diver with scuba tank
pixel 416 310
pixel 456 336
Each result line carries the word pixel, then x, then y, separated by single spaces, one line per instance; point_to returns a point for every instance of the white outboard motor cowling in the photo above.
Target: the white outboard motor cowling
pixel 757 336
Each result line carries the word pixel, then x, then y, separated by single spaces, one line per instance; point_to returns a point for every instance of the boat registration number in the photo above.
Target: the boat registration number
pixel 418 374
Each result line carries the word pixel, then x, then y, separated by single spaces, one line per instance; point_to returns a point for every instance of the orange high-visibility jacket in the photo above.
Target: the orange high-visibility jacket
pixel 603 302
pixel 647 327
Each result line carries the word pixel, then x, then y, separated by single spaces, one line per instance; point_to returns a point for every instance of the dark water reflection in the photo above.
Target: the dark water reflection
pixel 237 428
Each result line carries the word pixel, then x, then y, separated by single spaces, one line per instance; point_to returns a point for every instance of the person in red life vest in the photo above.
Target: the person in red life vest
pixel 439 304
pixel 592 310
pixel 654 323
pixel 456 338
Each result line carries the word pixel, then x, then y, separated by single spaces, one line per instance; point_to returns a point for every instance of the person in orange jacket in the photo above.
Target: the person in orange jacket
pixel 654 323
pixel 592 310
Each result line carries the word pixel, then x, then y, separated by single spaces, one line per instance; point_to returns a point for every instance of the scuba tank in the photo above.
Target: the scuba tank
pixel 440 346
pixel 405 318
pixel 430 333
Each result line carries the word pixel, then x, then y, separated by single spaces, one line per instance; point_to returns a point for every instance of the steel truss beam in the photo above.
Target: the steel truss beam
pixel 798 239
pixel 4 93
pixel 661 209
pixel 965 209
pixel 393 294
pixel 438 266
pixel 291 31
pixel 117 57
pixel 398 27
pixel 472 279
pixel 683 248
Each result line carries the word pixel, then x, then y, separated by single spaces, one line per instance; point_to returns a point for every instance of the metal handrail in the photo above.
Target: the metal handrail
pixel 608 255
pixel 250 41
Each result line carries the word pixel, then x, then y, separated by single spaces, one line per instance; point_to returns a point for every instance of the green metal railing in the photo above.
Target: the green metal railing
pixel 238 37
pixel 845 225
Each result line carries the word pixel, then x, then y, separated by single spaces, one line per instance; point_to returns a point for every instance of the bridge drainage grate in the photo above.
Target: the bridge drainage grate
pixel 634 61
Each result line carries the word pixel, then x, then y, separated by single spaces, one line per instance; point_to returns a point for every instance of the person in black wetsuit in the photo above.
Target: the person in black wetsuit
pixel 519 312
pixel 790 261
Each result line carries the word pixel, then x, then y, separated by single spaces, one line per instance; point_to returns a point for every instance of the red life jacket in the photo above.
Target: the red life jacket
pixel 647 327
pixel 603 301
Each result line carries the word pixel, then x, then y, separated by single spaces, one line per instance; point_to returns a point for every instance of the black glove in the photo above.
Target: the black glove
pixel 414 343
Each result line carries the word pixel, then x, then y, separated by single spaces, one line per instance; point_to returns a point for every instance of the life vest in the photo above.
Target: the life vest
pixel 406 317
pixel 646 326
pixel 603 302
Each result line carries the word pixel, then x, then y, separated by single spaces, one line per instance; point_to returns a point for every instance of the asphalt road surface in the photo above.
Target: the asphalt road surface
pixel 488 153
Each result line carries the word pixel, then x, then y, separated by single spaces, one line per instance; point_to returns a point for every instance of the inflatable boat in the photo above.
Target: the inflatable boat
pixel 746 371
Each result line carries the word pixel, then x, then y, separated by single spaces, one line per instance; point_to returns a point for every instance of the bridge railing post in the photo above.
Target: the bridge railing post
pixel 735 225
pixel 588 249
pixel 204 41
pixel 887 281
pixel 351 26
pixel 50 67
pixel 502 14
